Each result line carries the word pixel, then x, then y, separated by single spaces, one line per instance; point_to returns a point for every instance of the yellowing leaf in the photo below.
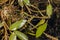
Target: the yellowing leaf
pixel 12 36
pixel 21 35
pixel 41 29
pixel 49 10
pixel 27 2
pixel 41 22
pixel 17 24
pixel 20 3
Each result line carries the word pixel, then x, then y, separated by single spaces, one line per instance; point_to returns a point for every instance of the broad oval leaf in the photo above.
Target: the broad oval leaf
pixel 12 36
pixel 20 3
pixel 27 2
pixel 17 24
pixel 49 10
pixel 21 35
pixel 41 22
pixel 41 29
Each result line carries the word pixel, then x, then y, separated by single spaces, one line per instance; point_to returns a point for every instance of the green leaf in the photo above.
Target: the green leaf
pixel 12 36
pixel 41 22
pixel 17 24
pixel 20 3
pixel 21 35
pixel 27 2
pixel 49 10
pixel 41 29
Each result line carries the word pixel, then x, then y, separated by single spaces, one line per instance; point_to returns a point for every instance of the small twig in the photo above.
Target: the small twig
pixel 37 9
pixel 34 11
pixel 51 37
pixel 3 1
pixel 28 14
pixel 12 2
pixel 30 20
pixel 22 12
pixel 28 9
pixel 45 17
pixel 30 24
pixel 6 34
pixel 2 38
pixel 49 1
pixel 23 27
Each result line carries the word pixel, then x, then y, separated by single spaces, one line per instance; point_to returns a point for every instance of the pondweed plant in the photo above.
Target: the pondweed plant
pixel 15 20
